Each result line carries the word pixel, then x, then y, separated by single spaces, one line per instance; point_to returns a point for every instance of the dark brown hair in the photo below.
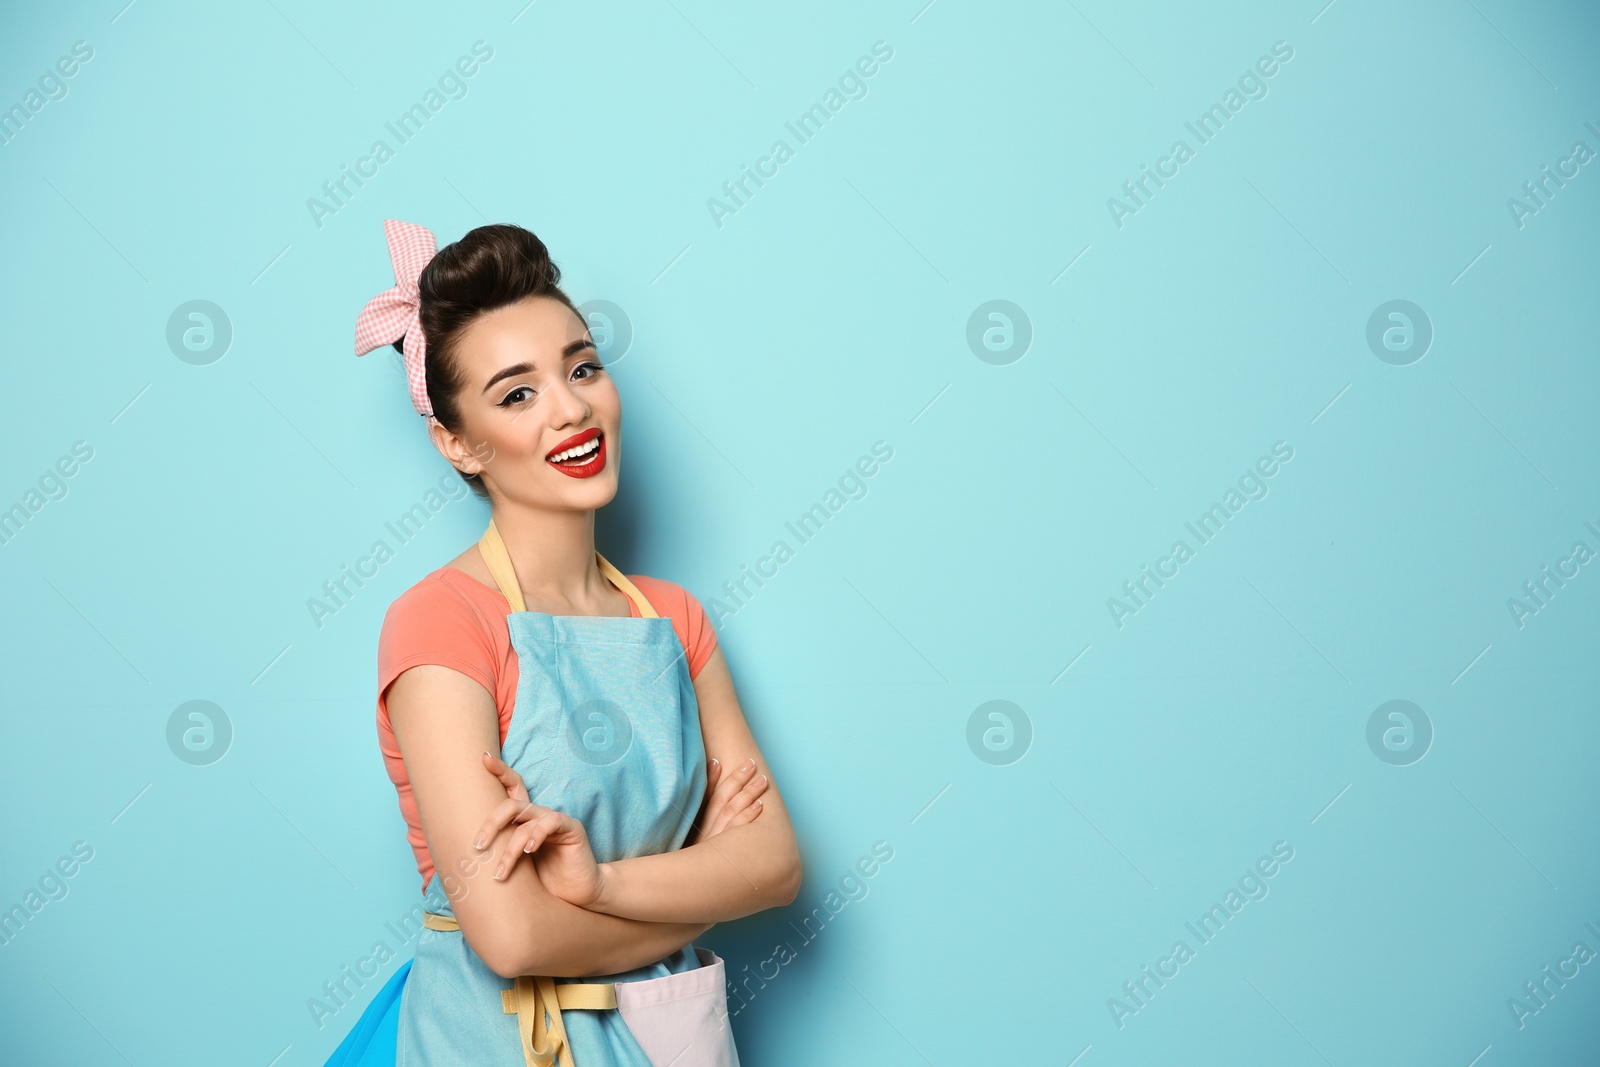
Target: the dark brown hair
pixel 491 267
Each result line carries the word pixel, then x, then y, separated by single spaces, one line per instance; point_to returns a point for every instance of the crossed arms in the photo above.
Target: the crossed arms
pixel 742 857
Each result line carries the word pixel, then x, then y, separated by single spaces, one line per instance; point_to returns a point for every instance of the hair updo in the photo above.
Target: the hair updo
pixel 489 268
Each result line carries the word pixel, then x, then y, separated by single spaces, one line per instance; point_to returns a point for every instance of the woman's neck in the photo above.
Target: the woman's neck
pixel 554 556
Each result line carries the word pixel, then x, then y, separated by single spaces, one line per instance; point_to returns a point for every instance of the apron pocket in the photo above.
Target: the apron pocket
pixel 682 1019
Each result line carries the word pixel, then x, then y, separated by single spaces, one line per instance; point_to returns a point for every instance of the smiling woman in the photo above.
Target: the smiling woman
pixel 529 667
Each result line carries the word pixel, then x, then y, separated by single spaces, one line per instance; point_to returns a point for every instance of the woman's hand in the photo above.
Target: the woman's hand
pixel 558 843
pixel 731 801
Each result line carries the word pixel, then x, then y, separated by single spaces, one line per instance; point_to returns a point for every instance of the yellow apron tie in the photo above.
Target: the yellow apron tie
pixel 498 560
pixel 533 997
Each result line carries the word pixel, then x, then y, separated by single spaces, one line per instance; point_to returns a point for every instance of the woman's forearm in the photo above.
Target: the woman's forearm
pixel 744 869
pixel 732 871
pixel 575 942
pixel 514 924
pixel 532 932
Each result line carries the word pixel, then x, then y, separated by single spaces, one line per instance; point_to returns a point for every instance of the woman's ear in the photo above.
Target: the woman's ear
pixel 453 447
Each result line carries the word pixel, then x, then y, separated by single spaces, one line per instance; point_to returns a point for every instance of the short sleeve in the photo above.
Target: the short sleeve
pixel 695 632
pixel 698 636
pixel 450 619
pixel 434 622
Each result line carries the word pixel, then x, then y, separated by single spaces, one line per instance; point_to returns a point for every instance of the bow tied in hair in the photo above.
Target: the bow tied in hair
pixel 397 312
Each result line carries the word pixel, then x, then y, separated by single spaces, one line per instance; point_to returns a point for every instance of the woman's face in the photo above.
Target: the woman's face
pixel 539 415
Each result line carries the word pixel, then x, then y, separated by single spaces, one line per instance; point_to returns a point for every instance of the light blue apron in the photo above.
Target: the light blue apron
pixel 606 729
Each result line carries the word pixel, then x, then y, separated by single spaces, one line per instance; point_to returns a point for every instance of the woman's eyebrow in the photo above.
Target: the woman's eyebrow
pixel 508 372
pixel 524 367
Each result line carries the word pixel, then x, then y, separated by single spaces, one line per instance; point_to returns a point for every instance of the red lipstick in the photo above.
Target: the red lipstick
pixel 588 462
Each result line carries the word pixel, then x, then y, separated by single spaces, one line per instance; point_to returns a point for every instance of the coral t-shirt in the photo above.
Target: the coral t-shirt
pixel 452 619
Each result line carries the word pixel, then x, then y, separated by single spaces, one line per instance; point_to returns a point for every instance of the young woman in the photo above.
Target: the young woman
pixel 581 790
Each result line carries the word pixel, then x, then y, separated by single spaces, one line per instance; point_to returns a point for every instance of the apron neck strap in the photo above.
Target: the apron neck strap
pixel 629 590
pixel 505 576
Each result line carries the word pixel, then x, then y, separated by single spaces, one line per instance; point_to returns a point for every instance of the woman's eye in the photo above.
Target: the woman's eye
pixel 589 369
pixel 513 396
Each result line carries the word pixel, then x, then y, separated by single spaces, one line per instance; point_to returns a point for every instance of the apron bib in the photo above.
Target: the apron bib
pixel 605 729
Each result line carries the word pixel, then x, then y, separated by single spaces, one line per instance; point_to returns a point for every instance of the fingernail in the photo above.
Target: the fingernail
pixel 751 762
pixel 761 777
pixel 478 844
pixel 714 763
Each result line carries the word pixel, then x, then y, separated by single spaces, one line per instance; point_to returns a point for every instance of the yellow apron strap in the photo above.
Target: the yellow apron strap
pixel 587 996
pixel 618 579
pixel 544 1039
pixel 537 1002
pixel 505 575
pixel 499 561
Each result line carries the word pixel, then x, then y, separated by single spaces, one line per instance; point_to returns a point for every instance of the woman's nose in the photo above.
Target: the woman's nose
pixel 567 406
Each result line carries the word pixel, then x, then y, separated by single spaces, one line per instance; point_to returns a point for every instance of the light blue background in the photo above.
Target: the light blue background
pixel 1228 314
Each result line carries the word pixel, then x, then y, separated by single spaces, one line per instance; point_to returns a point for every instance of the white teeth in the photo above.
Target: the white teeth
pixel 573 453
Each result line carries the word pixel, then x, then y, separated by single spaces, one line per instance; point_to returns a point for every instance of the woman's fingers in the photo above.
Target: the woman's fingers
pixel 713 775
pixel 502 815
pixel 508 777
pixel 739 802
pixel 733 781
pixel 752 789
pixel 747 815
pixel 528 837
pixel 743 798
pixel 730 782
pixel 704 813
pixel 515 806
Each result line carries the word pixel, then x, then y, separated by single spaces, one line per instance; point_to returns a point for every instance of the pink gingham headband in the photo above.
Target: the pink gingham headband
pixel 397 311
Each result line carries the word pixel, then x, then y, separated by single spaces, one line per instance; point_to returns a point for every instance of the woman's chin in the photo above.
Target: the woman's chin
pixel 589 494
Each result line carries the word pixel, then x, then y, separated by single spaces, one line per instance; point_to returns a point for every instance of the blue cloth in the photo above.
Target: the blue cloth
pixel 606 729
pixel 371 1042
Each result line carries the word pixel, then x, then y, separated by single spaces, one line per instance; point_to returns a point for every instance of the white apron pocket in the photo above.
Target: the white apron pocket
pixel 681 1020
